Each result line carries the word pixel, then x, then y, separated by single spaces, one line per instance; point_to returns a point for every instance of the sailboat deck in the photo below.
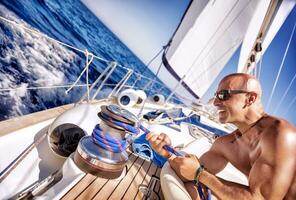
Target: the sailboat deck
pixel 139 173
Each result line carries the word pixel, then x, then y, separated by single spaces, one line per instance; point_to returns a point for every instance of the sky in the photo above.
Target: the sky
pixel 143 25
pixel 146 25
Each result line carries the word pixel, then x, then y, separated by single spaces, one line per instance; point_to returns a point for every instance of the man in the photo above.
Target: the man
pixel 263 147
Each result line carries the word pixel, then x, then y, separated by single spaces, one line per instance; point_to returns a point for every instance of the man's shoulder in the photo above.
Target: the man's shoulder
pixel 278 125
pixel 223 140
pixel 279 130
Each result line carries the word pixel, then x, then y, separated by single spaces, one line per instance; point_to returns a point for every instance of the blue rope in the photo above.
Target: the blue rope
pixel 123 125
pixel 202 195
pixel 104 140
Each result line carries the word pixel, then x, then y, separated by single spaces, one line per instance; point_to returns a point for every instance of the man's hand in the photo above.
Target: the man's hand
pixel 157 142
pixel 185 166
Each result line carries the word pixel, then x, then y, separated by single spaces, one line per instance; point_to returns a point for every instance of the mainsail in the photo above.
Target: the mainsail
pixel 207 37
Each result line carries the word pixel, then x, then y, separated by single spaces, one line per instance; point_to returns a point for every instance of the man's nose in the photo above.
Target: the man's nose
pixel 217 102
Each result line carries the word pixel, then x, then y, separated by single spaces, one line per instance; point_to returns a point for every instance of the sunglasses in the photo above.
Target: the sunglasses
pixel 224 95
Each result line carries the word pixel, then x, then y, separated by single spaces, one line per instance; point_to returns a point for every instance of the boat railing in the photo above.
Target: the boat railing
pixel 102 80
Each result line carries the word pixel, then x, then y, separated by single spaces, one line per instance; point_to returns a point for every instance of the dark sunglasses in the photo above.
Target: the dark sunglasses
pixel 224 95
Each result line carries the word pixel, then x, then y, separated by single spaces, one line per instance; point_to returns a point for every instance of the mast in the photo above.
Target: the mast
pixel 265 23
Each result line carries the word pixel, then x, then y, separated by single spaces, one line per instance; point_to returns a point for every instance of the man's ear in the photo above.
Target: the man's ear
pixel 252 96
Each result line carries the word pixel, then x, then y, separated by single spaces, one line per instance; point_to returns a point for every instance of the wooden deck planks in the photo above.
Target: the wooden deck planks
pixel 79 187
pixel 92 189
pixel 152 170
pixel 158 187
pixel 108 185
pixel 123 185
pixel 139 172
pixel 134 186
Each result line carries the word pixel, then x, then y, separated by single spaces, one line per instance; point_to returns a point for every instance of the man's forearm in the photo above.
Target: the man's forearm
pixel 225 189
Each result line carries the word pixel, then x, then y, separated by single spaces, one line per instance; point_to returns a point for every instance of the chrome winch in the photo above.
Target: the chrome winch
pixel 104 152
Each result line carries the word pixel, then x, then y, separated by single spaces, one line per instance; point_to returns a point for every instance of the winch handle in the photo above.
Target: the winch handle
pixel 166 147
pixel 172 150
pixel 121 116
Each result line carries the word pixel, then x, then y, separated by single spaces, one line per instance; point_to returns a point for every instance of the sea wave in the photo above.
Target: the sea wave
pixel 29 61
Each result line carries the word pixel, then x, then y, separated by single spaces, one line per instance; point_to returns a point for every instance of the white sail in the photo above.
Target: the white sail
pixel 208 43
pixel 280 14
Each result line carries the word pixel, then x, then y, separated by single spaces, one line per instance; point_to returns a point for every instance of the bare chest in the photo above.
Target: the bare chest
pixel 244 153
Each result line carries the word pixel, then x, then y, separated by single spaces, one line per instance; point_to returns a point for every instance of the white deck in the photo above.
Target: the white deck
pixel 42 161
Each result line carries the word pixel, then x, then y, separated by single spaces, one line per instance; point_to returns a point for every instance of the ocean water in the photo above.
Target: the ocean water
pixel 29 61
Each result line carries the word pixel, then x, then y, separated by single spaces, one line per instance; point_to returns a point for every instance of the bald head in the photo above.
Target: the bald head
pixel 241 81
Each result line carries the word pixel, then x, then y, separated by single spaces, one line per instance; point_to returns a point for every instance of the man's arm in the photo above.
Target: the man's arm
pixel 214 160
pixel 285 164
pixel 284 170
pixel 226 189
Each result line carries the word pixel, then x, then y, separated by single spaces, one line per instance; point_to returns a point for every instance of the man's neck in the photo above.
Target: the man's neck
pixel 249 120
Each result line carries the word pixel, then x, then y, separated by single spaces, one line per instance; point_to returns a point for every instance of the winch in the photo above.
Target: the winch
pixel 104 152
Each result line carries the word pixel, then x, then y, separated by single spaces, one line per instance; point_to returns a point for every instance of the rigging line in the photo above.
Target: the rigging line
pixel 290 105
pixel 285 94
pixel 36 32
pixel 62 86
pixel 162 49
pixel 46 36
pixel 281 66
pixel 146 66
pixel 54 86
pixel 239 13
pixel 165 49
pixel 41 87
pixel 87 67
pixel 87 63
pixel 151 87
pixel 260 65
pixel 182 97
pixel 142 76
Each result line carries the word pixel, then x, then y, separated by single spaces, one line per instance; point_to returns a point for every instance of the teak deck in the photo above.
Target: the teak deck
pixel 139 173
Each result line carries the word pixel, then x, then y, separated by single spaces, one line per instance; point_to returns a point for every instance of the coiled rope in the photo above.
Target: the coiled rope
pixel 104 140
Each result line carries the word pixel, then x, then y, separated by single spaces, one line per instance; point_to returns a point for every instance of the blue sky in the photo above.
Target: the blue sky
pixel 146 25
pixel 143 25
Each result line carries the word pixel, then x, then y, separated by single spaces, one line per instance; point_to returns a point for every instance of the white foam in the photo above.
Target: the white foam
pixel 43 61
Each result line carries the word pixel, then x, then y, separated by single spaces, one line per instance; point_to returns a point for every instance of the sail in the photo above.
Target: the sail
pixel 207 37
pixel 266 21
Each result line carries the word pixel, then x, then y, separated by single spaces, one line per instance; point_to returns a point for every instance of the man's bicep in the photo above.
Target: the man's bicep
pixel 213 161
pixel 285 166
